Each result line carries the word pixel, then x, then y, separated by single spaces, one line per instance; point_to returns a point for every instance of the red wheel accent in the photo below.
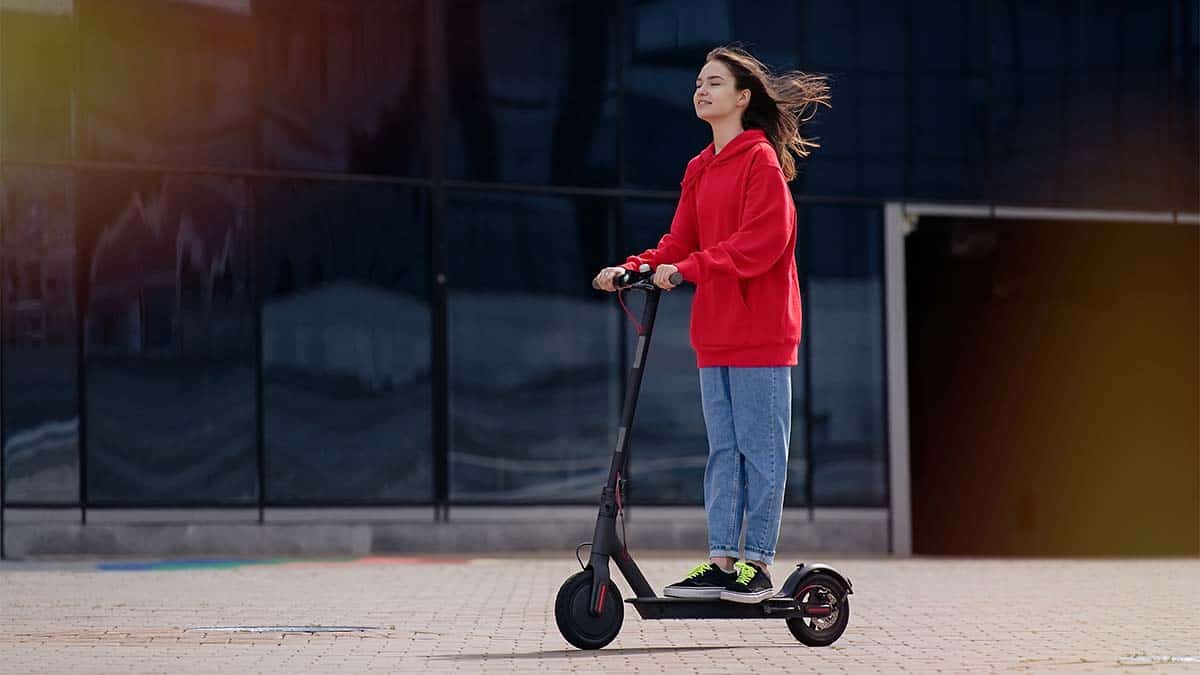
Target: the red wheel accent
pixel 813 611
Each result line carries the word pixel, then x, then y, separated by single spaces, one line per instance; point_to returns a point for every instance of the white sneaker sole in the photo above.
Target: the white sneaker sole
pixel 694 593
pixel 748 598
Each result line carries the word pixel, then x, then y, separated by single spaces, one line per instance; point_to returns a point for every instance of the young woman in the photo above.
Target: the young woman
pixel 734 237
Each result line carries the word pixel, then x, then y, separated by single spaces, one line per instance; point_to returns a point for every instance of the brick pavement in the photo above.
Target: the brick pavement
pixel 496 615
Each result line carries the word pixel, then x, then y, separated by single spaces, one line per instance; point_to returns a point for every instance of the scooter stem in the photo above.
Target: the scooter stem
pixel 605 542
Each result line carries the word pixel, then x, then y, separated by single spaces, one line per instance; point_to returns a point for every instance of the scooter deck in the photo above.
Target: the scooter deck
pixel 686 608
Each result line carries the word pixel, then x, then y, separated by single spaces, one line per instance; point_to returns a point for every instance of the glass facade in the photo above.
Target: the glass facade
pixel 532 364
pixel 843 310
pixel 346 335
pixel 284 252
pixel 40 391
pixel 168 338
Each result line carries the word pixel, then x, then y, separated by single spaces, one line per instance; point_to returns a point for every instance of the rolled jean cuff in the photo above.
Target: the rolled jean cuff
pixel 764 558
pixel 723 553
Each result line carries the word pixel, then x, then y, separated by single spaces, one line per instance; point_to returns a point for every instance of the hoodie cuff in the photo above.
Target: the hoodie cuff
pixel 688 268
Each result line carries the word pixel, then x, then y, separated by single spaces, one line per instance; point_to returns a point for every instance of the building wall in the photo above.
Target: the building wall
pixel 327 252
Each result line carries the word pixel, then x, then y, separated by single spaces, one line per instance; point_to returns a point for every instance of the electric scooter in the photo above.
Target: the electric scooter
pixel 589 611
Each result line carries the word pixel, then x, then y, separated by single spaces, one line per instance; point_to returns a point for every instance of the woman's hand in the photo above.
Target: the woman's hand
pixel 662 276
pixel 604 280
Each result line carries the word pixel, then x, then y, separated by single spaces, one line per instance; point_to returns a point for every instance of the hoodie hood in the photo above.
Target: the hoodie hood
pixel 735 147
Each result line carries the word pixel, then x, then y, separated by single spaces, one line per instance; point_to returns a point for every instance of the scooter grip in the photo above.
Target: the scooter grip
pixel 676 279
pixel 621 280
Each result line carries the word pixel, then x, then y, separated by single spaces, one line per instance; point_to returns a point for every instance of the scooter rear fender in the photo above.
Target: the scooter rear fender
pixel 804 570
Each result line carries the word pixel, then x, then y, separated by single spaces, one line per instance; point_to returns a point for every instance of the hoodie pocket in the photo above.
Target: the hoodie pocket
pixel 720 315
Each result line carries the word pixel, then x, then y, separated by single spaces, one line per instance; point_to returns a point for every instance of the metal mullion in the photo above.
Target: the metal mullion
pixel 3 379
pixel 881 242
pixel 806 355
pixel 435 80
pixel 81 289
pixel 223 171
pixel 257 246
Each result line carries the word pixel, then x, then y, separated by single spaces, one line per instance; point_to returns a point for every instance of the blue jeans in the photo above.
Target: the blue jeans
pixel 748 416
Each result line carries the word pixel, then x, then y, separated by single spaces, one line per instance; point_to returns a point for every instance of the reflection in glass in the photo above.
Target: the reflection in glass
pixel 37 61
pixel 169 339
pixel 39 395
pixel 347 402
pixel 532 348
pixel 341 85
pixel 843 324
pixel 532 91
pixel 166 82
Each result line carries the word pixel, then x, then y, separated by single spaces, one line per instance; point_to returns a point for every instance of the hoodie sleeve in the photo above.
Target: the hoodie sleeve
pixel 767 221
pixel 681 240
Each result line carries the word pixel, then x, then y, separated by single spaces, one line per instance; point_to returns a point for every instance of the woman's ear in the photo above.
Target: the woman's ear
pixel 743 98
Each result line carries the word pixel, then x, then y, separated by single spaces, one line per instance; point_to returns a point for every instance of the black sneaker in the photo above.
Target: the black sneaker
pixel 752 585
pixel 706 580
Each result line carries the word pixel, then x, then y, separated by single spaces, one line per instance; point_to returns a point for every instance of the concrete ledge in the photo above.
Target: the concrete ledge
pixel 471 530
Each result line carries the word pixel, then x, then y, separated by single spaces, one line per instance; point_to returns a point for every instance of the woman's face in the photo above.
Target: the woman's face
pixel 717 95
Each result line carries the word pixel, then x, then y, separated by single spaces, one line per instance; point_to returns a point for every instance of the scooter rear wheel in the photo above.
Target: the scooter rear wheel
pixel 577 625
pixel 821 590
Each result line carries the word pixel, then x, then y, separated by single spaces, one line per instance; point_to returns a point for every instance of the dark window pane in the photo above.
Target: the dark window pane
pixel 1185 87
pixel 888 134
pixel 533 350
pixel 346 343
pixel 41 407
pixel 167 82
pixel 532 91
pixel 843 314
pixel 670 443
pixel 665 50
pixel 169 339
pixel 863 139
pixel 1080 112
pixel 831 32
pixel 866 137
pixel 669 447
pixel 950 138
pixel 881 40
pixel 961 44
pixel 667 44
pixel 1027 132
pixel 341 85
pixel 37 65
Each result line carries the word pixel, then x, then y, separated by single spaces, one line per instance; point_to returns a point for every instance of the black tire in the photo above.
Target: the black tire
pixel 576 623
pixel 821 632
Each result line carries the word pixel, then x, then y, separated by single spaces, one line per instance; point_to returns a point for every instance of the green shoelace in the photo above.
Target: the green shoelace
pixel 698 570
pixel 746 572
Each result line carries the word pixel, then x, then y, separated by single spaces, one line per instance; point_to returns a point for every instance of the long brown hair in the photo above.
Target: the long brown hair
pixel 779 104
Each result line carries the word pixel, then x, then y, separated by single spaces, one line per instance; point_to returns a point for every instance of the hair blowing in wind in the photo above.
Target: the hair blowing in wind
pixel 779 103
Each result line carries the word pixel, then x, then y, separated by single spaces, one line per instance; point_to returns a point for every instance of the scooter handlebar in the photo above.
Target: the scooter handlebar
pixel 628 278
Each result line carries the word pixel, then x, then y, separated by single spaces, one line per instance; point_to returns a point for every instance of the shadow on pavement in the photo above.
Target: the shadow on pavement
pixel 578 653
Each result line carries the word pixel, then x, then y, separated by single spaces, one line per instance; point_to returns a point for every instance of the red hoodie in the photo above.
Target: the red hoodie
pixel 734 237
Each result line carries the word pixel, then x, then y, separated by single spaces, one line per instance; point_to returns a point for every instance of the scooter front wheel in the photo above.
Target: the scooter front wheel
pixel 826 606
pixel 579 626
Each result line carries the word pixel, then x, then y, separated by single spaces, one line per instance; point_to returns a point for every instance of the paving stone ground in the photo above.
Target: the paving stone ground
pixel 496 615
